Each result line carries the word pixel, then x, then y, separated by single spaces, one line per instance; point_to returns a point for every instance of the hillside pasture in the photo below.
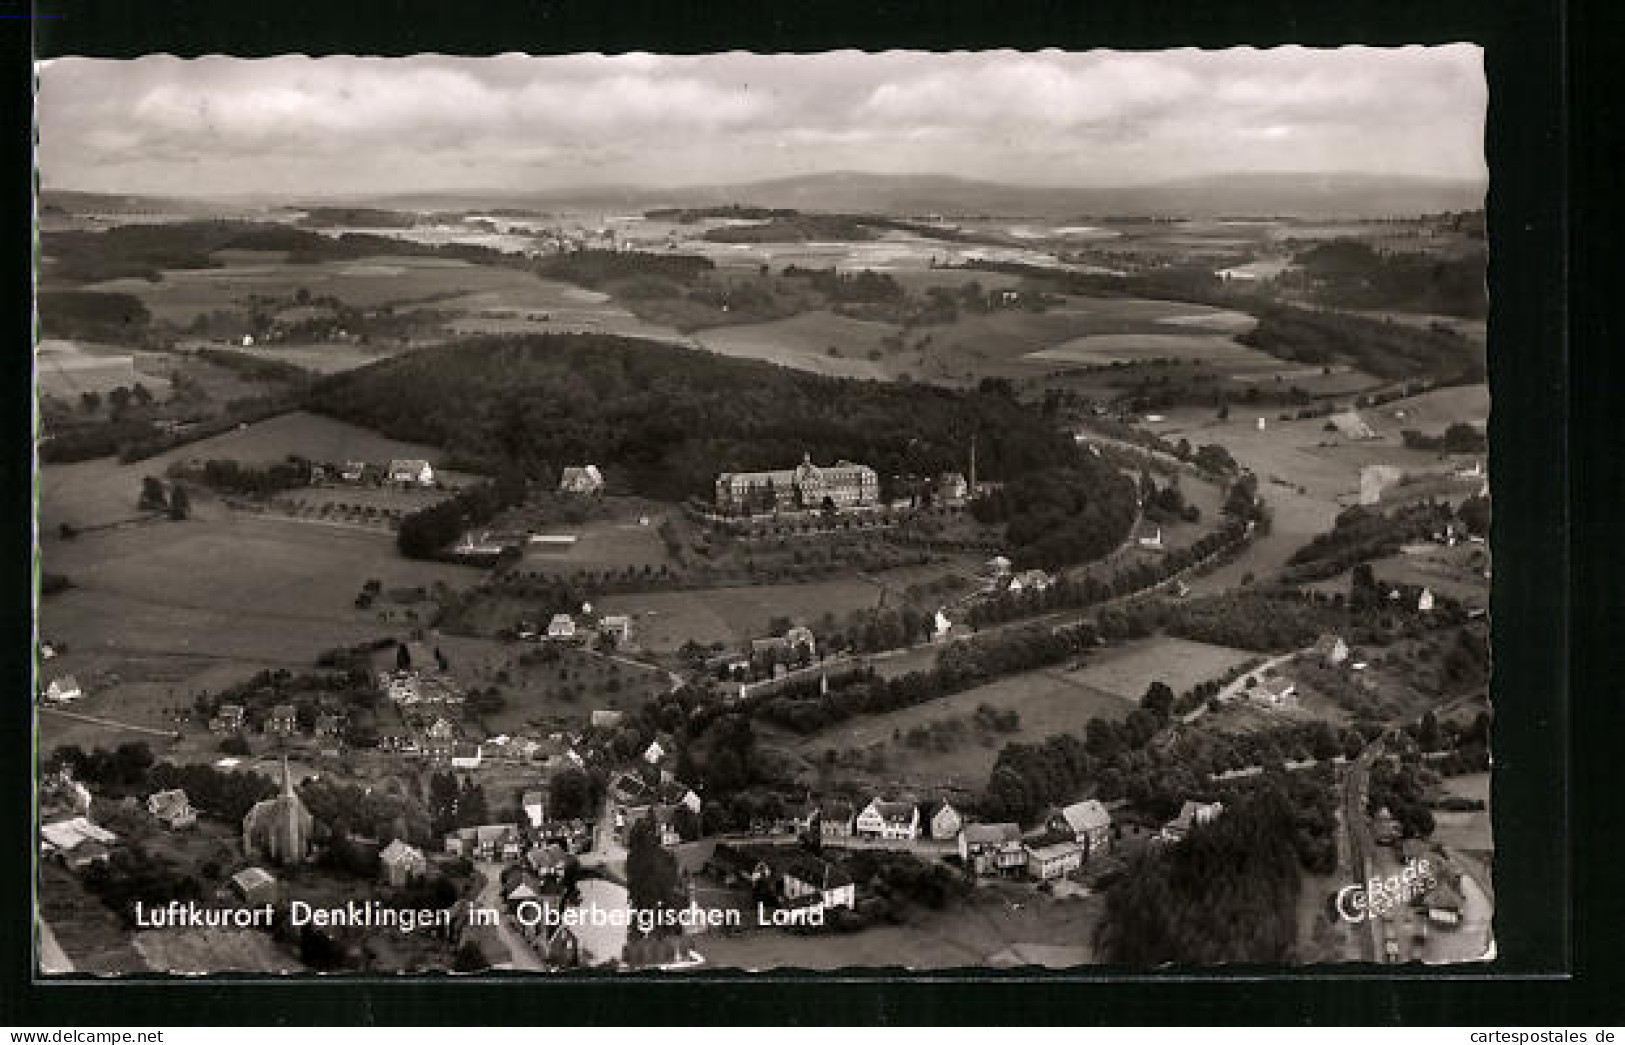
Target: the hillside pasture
pixel 1049 701
pixel 1125 671
pixel 664 621
pixel 803 342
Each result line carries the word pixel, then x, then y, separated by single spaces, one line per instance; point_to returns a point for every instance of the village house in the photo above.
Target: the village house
pixel 946 822
pixel 817 883
pixel 400 864
pixel 952 489
pixel 254 886
pixel 172 809
pixel 889 821
pixel 1148 536
pixel 400 686
pixel 1058 860
pixel 1424 601
pixel 329 725
pixel 562 626
pixel 1191 814
pixel 411 472
pixel 1332 650
pixel 227 719
pixel 283 722
pixel 992 849
pixel 63 689
pixel 1274 692
pixel 617 627
pixel 998 566
pixel 534 803
pixel 77 842
pixel 1088 823
pixel 835 819
pixel 466 755
pixel 603 718
pixel 1030 580
pixel 654 752
pixel 486 842
pixel 585 479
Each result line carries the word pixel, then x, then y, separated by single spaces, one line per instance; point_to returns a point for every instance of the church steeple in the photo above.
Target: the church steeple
pixel 287 779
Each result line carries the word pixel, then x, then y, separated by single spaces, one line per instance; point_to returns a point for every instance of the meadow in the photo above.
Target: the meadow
pixel 664 621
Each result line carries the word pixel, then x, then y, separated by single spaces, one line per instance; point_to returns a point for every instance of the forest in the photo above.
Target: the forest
pixel 670 419
pixel 1227 893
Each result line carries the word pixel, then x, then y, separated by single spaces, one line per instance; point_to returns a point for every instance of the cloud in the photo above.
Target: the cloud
pixel 308 125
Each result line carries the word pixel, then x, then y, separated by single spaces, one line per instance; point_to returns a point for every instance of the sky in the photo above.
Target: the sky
pixel 343 125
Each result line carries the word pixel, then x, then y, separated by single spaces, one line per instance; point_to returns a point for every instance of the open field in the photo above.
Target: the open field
pixel 163 609
pixel 1011 923
pixel 604 544
pixel 1051 700
pixel 803 342
pixel 664 621
pixel 1125 671
pixel 89 493
pixel 68 369
pixel 1469 831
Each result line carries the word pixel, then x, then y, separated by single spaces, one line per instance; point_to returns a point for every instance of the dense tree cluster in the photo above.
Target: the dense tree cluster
pixel 1349 273
pixel 235 477
pixel 671 419
pixel 1061 516
pixel 226 795
pixel 1361 534
pixel 1227 893
pixel 1459 438
pixel 425 533
pixel 960 666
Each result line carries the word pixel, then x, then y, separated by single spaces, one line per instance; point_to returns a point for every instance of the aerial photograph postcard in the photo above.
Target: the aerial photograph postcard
pixel 735 512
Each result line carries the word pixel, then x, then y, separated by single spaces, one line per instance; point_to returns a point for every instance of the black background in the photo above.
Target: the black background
pixel 1556 643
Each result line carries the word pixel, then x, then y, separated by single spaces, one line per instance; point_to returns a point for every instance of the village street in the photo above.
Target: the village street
pixel 490 898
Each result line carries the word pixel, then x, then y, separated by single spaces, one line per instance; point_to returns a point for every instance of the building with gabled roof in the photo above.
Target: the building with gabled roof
pixel 581 479
pixel 1088 823
pixel 892 821
pixel 172 809
pixel 400 864
pixel 279 829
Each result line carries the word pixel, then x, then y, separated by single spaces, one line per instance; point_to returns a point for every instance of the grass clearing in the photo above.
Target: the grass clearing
pixel 664 621
pixel 1126 670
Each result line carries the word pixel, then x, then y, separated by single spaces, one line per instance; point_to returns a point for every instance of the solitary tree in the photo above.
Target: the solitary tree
pixel 152 495
pixel 180 503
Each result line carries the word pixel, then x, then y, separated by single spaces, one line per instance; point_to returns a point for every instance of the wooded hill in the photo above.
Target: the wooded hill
pixel 664 420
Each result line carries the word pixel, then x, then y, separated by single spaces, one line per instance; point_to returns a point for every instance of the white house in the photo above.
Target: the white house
pixel 941 627
pixel 891 821
pixel 400 864
pixel 1031 580
pixel 1332 650
pixel 998 565
pixel 1054 861
pixel 1274 693
pixel 467 756
pixel 535 806
pixel 1424 601
pixel 654 752
pixel 584 479
pixel 63 689
pixel 172 809
pixel 1152 539
pixel 562 626
pixel 946 822
pixel 411 471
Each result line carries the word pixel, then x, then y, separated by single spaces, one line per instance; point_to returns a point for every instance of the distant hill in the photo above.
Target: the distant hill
pixel 1324 196
pixel 1260 195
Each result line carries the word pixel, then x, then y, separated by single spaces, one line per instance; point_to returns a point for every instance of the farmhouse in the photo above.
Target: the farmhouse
pixel 891 821
pixel 172 809
pixel 411 471
pixel 63 689
pixel 69 838
pixel 279 828
pixel 806 487
pixel 992 849
pixel 1190 815
pixel 465 755
pixel 1274 693
pixel 255 886
pixel 1046 862
pixel 401 864
pixel 585 479
pixel 1088 823
pixel 562 626
pixel 486 842
pixel 1332 650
